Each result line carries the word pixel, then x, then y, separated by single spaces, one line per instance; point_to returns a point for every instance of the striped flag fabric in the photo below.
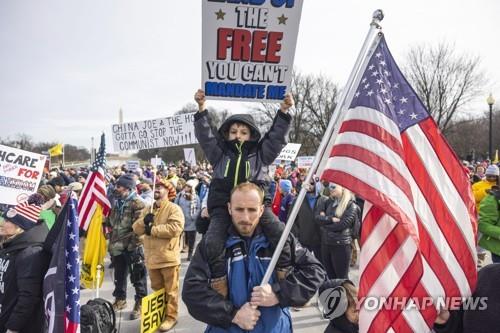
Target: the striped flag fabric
pixel 94 191
pixel 419 223
pixel 61 284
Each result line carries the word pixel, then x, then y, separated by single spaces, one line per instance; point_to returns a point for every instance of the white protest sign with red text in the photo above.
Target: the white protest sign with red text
pixel 248 48
pixel 20 174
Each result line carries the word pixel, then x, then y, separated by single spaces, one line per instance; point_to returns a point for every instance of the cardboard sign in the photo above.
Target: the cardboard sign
pixel 305 161
pixel 20 174
pixel 153 308
pixel 248 48
pixel 133 165
pixel 190 156
pixel 289 152
pixel 156 133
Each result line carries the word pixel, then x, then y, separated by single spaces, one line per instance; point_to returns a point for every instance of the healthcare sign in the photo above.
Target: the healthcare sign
pixel 248 48
pixel 20 174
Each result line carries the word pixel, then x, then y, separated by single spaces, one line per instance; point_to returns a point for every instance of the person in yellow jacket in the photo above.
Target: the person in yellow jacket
pixel 162 230
pixel 480 188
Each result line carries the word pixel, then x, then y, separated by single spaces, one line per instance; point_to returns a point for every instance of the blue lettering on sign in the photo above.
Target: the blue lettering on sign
pixel 238 90
pixel 274 3
pixel 276 92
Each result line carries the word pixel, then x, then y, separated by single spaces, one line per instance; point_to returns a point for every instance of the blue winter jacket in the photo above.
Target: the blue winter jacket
pixel 245 272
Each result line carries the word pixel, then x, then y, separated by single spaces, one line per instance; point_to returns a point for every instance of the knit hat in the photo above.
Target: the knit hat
pixel 492 171
pixel 26 214
pixel 127 181
pixel 47 192
pixel 286 185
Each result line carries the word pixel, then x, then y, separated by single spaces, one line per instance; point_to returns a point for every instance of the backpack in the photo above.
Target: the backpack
pixel 97 316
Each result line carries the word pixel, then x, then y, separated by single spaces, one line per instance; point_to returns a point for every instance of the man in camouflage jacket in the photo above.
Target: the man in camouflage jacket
pixel 126 253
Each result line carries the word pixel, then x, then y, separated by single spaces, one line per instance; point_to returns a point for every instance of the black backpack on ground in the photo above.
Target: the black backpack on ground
pixel 97 316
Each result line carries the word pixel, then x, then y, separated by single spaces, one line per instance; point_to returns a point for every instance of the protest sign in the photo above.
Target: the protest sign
pixel 189 156
pixel 156 161
pixel 153 308
pixel 171 131
pixel 289 152
pixel 305 161
pixel 133 165
pixel 20 174
pixel 248 48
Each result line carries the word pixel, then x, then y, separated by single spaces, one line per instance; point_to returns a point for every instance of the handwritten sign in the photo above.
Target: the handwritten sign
pixel 289 152
pixel 248 48
pixel 133 165
pixel 189 156
pixel 153 308
pixel 20 174
pixel 156 133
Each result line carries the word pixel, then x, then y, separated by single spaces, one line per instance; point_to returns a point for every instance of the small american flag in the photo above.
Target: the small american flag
pixel 419 223
pixel 62 282
pixel 94 191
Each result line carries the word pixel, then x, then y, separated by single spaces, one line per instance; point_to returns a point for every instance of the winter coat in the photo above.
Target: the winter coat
pixel 479 190
pixel 22 267
pixel 485 318
pixel 489 222
pixel 247 261
pixel 122 216
pixel 337 233
pixel 305 228
pixel 285 204
pixel 189 216
pixel 234 162
pixel 162 248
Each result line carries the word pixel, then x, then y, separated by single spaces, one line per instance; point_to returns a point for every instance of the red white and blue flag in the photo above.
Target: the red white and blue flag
pixel 61 285
pixel 94 191
pixel 419 222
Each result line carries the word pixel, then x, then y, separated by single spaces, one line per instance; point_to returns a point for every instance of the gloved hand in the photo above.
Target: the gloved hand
pixel 148 219
pixel 147 229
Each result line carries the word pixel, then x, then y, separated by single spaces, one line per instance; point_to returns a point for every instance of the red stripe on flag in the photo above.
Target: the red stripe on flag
pixel 88 185
pixel 375 131
pixel 377 163
pixel 442 215
pixel 371 219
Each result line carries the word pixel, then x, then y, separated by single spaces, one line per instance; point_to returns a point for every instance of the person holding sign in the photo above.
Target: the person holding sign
pixel 248 252
pixel 238 154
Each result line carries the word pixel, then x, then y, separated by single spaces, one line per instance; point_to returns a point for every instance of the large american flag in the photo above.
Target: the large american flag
pixel 94 191
pixel 419 223
pixel 61 284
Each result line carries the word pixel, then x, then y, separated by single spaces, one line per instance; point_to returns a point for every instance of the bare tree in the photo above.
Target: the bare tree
pixel 315 99
pixel 444 80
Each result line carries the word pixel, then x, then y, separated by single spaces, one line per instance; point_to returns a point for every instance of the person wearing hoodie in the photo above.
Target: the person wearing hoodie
pixel 489 223
pixel 287 199
pixel 22 268
pixel 238 154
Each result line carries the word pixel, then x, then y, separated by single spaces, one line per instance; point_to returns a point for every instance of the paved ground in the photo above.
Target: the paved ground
pixel 307 320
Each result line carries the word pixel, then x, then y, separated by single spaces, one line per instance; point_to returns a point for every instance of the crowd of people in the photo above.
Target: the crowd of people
pixel 241 206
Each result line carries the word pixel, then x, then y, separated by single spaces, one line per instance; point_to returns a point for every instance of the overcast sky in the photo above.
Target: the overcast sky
pixel 67 67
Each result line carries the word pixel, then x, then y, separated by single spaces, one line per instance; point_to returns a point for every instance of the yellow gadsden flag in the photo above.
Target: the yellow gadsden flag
pixel 94 252
pixel 56 150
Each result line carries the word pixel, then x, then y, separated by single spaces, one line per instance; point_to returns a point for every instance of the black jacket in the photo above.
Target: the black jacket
pixel 484 319
pixel 339 233
pixel 22 267
pixel 235 163
pixel 208 306
pixel 305 228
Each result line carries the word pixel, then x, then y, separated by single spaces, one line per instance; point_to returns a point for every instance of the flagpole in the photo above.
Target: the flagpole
pixel 377 17
pixel 63 155
pixel 154 180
